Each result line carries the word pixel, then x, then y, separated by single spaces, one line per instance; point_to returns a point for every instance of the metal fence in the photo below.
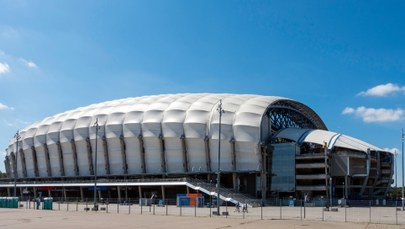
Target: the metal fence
pixel 365 212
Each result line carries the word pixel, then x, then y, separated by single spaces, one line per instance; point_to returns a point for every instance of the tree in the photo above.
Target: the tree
pixel 3 175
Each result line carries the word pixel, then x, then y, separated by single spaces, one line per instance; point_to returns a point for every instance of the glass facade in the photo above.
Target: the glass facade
pixel 283 167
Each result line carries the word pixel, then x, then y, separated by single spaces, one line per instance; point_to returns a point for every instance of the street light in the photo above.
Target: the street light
pixel 396 176
pixel 402 189
pixel 95 167
pixel 220 111
pixel 17 138
pixel 330 192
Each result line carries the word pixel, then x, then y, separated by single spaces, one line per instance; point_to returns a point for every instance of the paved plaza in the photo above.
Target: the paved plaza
pixel 117 216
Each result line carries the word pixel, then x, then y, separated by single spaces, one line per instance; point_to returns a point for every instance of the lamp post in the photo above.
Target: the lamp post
pixel 220 111
pixel 330 192
pixel 17 138
pixel 95 167
pixel 402 150
pixel 396 176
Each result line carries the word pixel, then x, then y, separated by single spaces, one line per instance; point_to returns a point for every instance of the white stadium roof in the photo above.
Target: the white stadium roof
pixel 321 137
pixel 171 115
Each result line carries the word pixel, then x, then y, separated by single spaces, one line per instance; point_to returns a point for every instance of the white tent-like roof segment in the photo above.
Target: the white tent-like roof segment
pixel 332 139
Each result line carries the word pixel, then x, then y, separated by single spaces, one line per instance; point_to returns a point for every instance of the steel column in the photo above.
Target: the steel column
pixel 142 149
pixel 61 164
pixel 48 160
pixel 124 155
pixel 90 156
pixel 74 152
pixel 106 156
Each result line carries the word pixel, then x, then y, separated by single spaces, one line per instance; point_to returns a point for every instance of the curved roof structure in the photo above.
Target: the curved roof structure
pixel 171 115
pixel 158 134
pixel 332 139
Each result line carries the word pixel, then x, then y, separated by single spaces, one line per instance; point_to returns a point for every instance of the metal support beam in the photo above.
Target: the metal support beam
pixel 75 162
pixel 81 194
pixel 126 193
pixel 140 191
pixel 233 152
pixel 162 154
pixel 327 174
pixel 378 165
pixel 235 182
pixel 163 194
pixel 184 150
pixel 48 160
pixel 13 158
pixel 35 159
pixel 64 194
pixel 363 187
pixel 124 154
pixel 7 166
pixel 142 150
pixel 61 164
pixel 392 160
pixel 90 156
pixel 106 156
pixel 347 184
pixel 207 153
pixel 119 194
pixel 23 162
pixel 263 171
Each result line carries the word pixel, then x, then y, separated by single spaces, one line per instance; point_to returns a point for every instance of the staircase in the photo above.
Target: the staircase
pixel 226 194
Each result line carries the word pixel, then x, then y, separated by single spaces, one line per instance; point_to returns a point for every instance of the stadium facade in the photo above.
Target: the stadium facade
pixel 269 146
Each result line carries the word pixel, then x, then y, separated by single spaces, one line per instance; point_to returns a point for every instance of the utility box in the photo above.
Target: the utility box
pixel 48 203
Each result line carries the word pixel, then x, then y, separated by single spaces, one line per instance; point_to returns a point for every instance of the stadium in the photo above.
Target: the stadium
pixel 261 147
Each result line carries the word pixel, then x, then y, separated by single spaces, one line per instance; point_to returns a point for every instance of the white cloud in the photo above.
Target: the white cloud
pixel 5 107
pixel 375 114
pixel 4 68
pixel 383 90
pixel 7 123
pixel 28 63
pixel 348 110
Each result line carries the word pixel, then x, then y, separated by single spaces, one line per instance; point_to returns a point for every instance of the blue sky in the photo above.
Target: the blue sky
pixel 344 59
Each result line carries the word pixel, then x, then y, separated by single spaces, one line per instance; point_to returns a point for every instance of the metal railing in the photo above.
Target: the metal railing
pixel 375 212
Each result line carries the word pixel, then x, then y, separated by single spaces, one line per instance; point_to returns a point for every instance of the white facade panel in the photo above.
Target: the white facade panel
pixel 66 131
pixel 29 162
pixel 114 151
pixel 42 169
pixel 81 129
pixel 152 155
pixel 133 155
pixel 68 161
pixel 248 156
pixel 172 129
pixel 174 155
pixel 114 125
pixel 197 157
pixel 52 136
pixel 54 160
pixel 40 135
pixel 27 140
pixel 101 162
pixel 195 130
pixel 82 157
pixel 132 126
pixel 226 155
